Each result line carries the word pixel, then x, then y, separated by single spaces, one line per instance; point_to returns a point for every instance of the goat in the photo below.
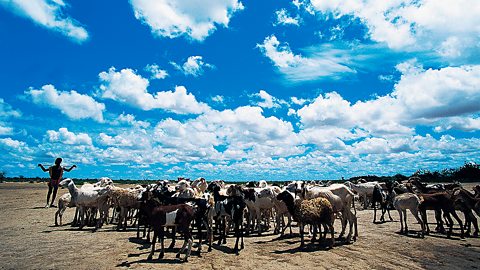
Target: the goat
pixel 159 217
pixel 380 196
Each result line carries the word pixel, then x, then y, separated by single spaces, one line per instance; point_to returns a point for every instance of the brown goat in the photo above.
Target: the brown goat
pixel 439 202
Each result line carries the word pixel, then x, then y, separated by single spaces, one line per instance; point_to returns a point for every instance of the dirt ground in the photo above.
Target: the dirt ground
pixel 29 240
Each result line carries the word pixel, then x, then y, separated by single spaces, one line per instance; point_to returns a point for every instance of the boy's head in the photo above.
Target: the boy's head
pixel 58 161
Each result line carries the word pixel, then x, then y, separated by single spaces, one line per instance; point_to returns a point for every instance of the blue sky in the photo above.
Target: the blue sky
pixel 239 90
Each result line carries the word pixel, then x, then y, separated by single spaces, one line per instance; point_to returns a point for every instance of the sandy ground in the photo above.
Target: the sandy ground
pixel 28 240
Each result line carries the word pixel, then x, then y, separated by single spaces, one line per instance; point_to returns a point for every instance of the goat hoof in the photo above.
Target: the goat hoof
pixel 149 258
pixel 209 249
pixel 178 255
pixel 161 256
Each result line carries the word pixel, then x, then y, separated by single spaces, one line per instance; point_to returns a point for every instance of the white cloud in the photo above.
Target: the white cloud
pixel 284 18
pixel 218 99
pixel 11 143
pixel 130 119
pixel 268 101
pixel 156 72
pixel 427 97
pixel 73 104
pixel 66 137
pixel 194 66
pixel 449 27
pixel 49 14
pixel 6 111
pixel 459 123
pixel 5 129
pixel 437 93
pixel 196 19
pixel 298 68
pixel 131 139
pixel 298 101
pixel 130 88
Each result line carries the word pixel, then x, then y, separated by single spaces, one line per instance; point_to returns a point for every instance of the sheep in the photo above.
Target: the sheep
pixel 87 198
pixel 409 201
pixel 342 200
pixel 316 212
pixel 159 217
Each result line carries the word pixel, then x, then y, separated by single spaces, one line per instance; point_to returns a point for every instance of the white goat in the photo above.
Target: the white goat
pixel 200 186
pixel 184 190
pixel 87 197
pixel 364 191
pixel 411 202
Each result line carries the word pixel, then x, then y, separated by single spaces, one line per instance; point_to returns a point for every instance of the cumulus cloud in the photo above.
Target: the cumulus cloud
pixel 127 87
pixel 415 25
pixel 329 63
pixel 425 97
pixel 11 143
pixel 73 104
pixel 130 120
pixel 66 137
pixel 49 14
pixel 284 18
pixel 194 66
pixel 242 133
pixel 196 19
pixel 156 72
pixel 268 101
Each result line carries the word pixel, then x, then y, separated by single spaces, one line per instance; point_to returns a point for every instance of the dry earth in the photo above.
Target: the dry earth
pixel 30 241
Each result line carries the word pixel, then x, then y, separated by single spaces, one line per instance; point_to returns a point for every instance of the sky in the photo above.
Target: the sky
pixel 239 89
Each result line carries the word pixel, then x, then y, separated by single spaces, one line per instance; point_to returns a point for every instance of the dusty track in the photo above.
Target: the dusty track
pixel 30 241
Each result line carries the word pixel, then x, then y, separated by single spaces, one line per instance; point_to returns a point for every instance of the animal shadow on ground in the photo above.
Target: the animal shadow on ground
pixel 383 222
pixel 411 234
pixel 38 207
pixel 167 261
pixel 142 242
pixel 309 247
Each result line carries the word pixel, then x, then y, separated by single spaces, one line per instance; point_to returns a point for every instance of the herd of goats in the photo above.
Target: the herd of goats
pixel 217 207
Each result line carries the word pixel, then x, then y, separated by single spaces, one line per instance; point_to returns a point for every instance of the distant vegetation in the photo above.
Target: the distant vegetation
pixel 469 172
